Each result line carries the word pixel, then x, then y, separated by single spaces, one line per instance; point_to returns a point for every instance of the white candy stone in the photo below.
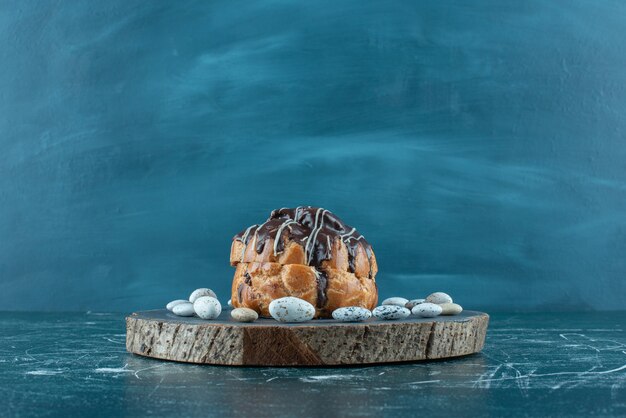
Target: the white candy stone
pixel 391 312
pixel 230 303
pixel 427 310
pixel 291 309
pixel 352 314
pixel 438 298
pixel 203 291
pixel 395 301
pixel 183 309
pixel 414 302
pixel 450 309
pixel 207 307
pixel 244 315
pixel 173 303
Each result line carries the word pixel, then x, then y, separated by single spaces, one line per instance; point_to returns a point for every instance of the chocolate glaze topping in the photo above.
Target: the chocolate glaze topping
pixel 239 290
pixel 315 229
pixel 322 285
pixel 247 279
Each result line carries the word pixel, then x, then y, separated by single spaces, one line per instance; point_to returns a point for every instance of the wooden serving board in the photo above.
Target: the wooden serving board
pixel 266 342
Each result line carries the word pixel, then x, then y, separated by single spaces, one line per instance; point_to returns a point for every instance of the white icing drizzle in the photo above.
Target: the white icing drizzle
pixel 243 239
pixel 256 233
pixel 310 241
pixel 254 239
pixel 346 241
pixel 260 226
pixel 316 229
pixel 279 233
pixel 349 233
pixel 357 238
pixel 310 238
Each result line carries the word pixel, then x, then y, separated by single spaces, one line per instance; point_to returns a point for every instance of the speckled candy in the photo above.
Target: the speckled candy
pixel 352 314
pixel 395 301
pixel 427 310
pixel 173 303
pixel 183 309
pixel 439 298
pixel 244 315
pixel 207 307
pixel 450 309
pixel 203 291
pixel 414 302
pixel 391 312
pixel 291 309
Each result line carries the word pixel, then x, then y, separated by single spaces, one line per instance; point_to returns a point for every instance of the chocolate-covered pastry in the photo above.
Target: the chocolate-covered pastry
pixel 305 252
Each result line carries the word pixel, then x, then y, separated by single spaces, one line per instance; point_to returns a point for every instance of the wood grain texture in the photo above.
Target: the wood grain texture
pixel 162 335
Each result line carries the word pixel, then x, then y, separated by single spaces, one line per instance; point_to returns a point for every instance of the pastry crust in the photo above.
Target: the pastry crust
pixel 255 285
pixel 304 252
pixel 293 253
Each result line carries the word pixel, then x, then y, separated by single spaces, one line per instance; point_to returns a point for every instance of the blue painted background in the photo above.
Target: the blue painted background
pixel 480 147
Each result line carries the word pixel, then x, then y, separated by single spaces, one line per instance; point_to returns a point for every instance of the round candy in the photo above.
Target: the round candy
pixel 183 309
pixel 244 315
pixel 395 301
pixel 352 314
pixel 427 310
pixel 173 303
pixel 391 312
pixel 203 291
pixel 291 309
pixel 439 297
pixel 207 307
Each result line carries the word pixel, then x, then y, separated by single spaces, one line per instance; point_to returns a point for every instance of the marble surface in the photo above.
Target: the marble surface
pixel 567 364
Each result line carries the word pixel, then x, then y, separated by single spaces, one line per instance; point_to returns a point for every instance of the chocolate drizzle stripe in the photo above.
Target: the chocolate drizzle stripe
pixel 239 290
pixel 244 239
pixel 351 258
pixel 322 284
pixel 279 233
pixel 314 228
pixel 259 245
pixel 311 240
pixel 308 238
